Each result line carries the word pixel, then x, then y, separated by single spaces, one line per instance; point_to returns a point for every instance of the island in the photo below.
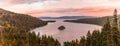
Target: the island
pixel 61 28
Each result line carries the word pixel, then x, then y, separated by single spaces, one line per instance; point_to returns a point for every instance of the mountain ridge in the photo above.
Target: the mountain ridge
pixel 19 21
pixel 67 17
pixel 97 21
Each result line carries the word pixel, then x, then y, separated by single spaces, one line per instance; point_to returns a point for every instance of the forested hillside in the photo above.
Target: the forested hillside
pixel 108 36
pixel 97 21
pixel 21 21
pixel 15 30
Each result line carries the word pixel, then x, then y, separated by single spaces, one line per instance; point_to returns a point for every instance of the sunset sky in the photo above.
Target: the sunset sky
pixel 57 8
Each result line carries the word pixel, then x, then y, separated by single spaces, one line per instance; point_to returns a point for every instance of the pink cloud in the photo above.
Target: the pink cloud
pixel 52 13
pixel 63 7
pixel 89 11
pixel 9 2
pixel 97 11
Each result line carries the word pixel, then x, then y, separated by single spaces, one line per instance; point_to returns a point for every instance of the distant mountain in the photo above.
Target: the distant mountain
pixel 97 21
pixel 19 21
pixel 68 17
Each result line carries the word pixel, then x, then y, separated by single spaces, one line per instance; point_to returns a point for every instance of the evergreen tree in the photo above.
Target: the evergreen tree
pixel 83 41
pixel 88 39
pixel 107 34
pixel 115 29
pixel 95 38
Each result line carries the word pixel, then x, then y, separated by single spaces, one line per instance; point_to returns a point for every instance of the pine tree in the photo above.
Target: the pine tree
pixel 88 39
pixel 95 38
pixel 83 41
pixel 115 29
pixel 107 34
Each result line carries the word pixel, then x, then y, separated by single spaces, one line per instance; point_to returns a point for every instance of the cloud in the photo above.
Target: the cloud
pixel 25 1
pixel 89 11
pixel 97 11
pixel 55 13
pixel 61 7
pixel 24 7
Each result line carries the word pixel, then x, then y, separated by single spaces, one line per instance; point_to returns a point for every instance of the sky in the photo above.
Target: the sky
pixel 56 8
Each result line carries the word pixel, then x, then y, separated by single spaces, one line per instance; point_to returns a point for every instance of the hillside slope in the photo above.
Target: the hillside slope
pixel 15 30
pixel 19 21
pixel 97 21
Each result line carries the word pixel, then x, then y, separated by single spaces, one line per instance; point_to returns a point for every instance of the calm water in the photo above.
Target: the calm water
pixel 73 30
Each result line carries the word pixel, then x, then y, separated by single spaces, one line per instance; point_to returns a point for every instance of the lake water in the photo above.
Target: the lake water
pixel 73 31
